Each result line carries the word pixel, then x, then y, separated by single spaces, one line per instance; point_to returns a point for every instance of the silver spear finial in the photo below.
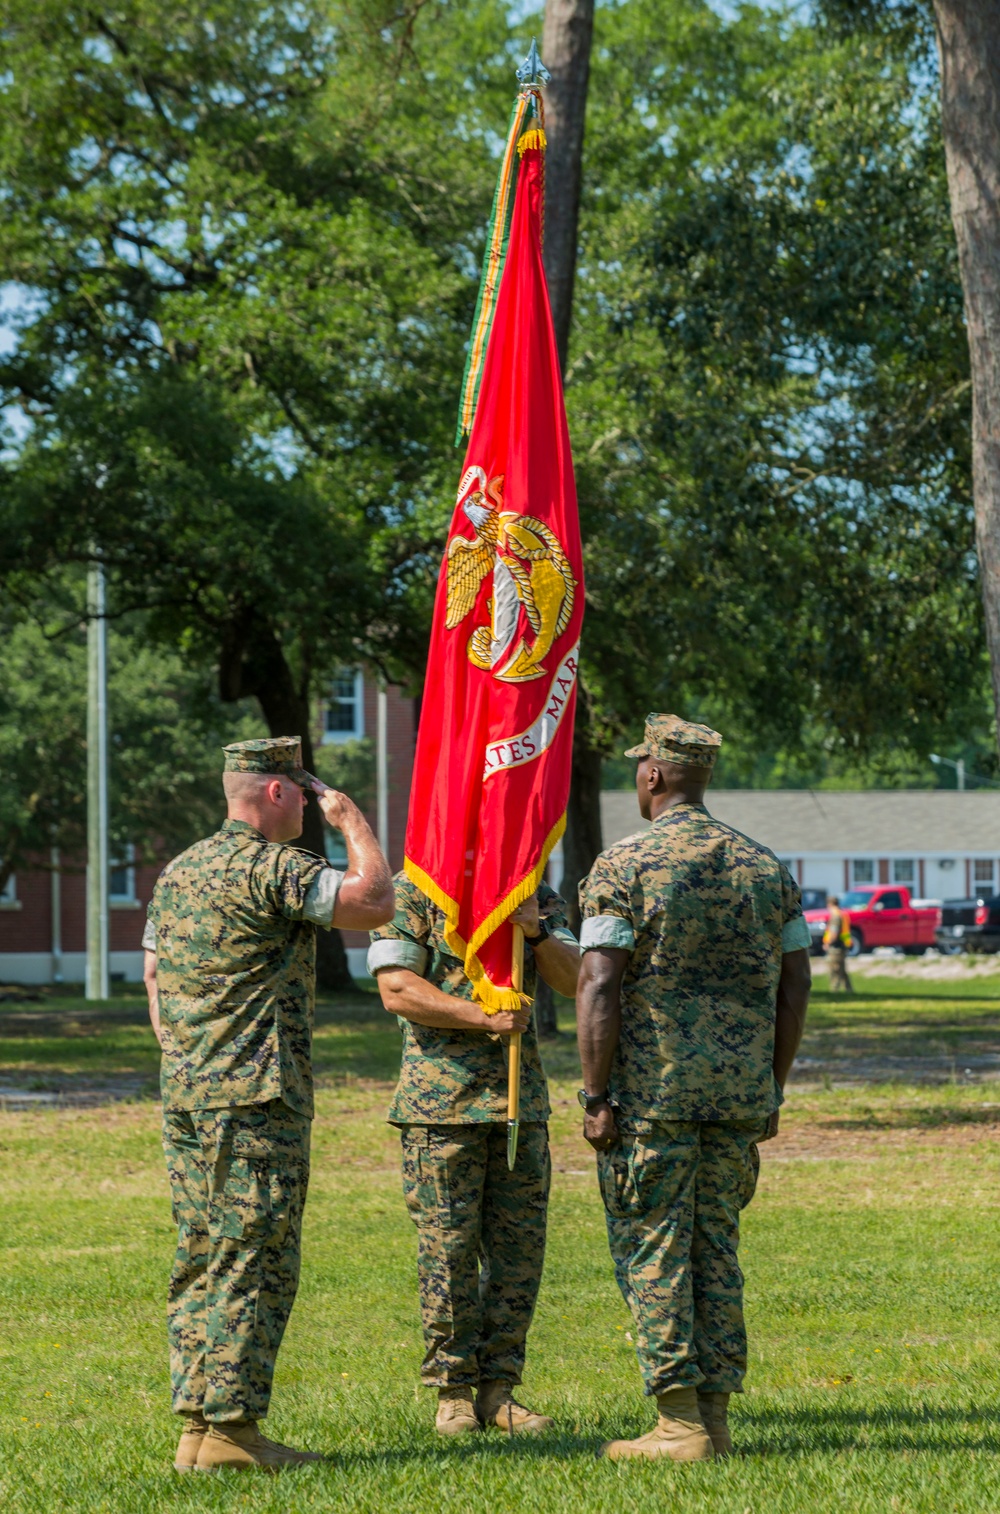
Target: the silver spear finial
pixel 533 70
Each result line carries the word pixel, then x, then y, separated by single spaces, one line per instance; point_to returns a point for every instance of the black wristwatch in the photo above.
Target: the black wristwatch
pixel 591 1101
pixel 543 934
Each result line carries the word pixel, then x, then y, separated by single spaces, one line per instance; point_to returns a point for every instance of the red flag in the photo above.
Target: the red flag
pixel 492 770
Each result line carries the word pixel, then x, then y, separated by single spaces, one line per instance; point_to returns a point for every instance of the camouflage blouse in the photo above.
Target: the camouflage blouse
pixel 706 914
pixel 456 1077
pixel 236 971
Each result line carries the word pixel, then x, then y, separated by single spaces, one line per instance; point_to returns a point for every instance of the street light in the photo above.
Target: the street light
pixel 957 764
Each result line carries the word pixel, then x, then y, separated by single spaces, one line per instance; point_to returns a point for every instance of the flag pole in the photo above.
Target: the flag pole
pixel 532 74
pixel 514 1056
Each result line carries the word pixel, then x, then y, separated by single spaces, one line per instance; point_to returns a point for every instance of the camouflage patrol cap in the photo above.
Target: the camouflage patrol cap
pixel 675 740
pixel 280 756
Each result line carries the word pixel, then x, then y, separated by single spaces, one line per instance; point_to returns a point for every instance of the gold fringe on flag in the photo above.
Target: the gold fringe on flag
pixel 493 997
pixel 527 107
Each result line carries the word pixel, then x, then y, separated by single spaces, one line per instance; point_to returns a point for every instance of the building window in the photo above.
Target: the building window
pixel 982 872
pixel 345 708
pixel 121 889
pixel 336 848
pixel 863 870
pixel 904 870
pixel 8 894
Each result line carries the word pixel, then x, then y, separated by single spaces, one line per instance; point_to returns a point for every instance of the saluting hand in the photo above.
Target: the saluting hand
pixel 337 808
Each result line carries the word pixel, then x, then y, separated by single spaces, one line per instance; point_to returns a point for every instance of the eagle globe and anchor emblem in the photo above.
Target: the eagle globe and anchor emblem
pixel 530 571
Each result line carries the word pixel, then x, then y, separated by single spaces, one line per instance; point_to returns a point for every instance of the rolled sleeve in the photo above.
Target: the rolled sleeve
pixel 795 935
pixel 383 954
pixel 321 897
pixel 563 933
pixel 606 930
pixel 148 936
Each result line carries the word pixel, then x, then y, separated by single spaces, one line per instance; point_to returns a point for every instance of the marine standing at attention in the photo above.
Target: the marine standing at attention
pixel 480 1227
pixel 231 974
pixel 691 1004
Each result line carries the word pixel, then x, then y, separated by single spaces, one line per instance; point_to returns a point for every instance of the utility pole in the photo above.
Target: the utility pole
pixel 382 768
pixel 98 862
pixel 958 764
pixel 55 899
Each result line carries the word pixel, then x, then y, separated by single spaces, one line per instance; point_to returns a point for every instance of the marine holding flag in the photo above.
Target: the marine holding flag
pixel 487 806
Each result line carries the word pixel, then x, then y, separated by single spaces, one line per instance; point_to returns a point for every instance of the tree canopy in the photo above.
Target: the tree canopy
pixel 164 763
pixel 246 244
pixel 769 384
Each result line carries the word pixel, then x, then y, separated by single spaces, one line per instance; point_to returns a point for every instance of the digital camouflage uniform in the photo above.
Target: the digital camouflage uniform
pixel 233 923
pixel 480 1228
pixel 705 914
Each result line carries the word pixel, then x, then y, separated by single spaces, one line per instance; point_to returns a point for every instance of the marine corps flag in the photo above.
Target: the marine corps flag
pixel 492 770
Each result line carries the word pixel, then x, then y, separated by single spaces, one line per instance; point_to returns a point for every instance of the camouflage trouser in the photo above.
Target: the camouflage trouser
pixel 839 980
pixel 481 1244
pixel 673 1196
pixel 238 1181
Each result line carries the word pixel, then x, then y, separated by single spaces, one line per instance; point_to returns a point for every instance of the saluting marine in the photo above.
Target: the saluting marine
pixel 691 1004
pixel 230 971
pixel 480 1227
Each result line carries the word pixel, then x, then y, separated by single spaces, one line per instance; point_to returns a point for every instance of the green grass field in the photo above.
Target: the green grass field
pixel 871 1255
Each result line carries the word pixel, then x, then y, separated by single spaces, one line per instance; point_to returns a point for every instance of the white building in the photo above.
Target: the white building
pixel 942 844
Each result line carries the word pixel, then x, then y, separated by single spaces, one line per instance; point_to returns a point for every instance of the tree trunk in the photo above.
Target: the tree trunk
pixel 545 1011
pixel 257 667
pixel 969 48
pixel 566 39
pixel 566 42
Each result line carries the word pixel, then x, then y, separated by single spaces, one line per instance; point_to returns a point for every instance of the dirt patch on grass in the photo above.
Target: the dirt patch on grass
pixel 854 1071
pixel 930 968
pixel 923 1131
pixel 50 1091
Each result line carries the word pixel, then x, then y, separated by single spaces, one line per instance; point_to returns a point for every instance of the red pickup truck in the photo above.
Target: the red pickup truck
pixel 883 915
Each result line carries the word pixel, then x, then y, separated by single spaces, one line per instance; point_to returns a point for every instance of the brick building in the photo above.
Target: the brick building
pixel 43 910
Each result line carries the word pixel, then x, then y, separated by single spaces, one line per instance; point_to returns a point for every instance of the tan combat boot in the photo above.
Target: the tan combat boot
pixel 195 1427
pixel 242 1447
pixel 495 1405
pixel 715 1417
pixel 679 1434
pixel 456 1414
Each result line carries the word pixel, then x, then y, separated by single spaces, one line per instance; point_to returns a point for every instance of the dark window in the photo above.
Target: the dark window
pixel 891 901
pixel 342 710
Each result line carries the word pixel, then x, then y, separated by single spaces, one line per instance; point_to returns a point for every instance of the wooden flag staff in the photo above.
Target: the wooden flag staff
pixel 514 1056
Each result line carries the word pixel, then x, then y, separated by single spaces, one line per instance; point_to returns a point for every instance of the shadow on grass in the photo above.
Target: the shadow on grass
pixel 58 1047
pixel 796 1431
pixel 71 1023
pixel 790 1433
pixel 557 1443
pixel 926 1117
